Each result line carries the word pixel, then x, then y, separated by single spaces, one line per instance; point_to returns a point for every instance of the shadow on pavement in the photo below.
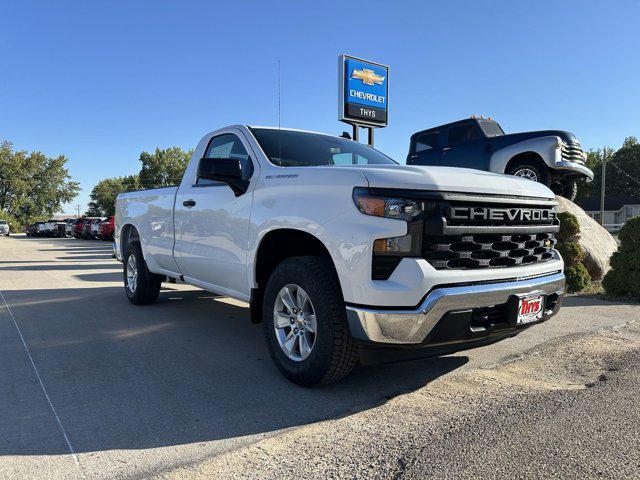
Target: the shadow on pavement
pixel 56 266
pixel 190 368
pixel 102 277
pixel 593 301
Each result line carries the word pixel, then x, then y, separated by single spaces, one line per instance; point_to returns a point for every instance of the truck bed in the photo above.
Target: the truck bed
pixel 152 211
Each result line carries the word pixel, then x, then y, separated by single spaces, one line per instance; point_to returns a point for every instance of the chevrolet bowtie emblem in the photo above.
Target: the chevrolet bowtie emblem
pixel 367 76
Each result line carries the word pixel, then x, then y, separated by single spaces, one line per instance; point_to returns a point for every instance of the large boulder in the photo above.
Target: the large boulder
pixel 597 243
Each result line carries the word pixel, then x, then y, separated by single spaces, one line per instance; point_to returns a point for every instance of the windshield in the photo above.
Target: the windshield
pixel 287 148
pixel 491 129
pixel 3 222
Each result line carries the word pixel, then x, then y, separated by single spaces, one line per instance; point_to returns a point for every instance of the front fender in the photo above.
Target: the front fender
pixel 545 147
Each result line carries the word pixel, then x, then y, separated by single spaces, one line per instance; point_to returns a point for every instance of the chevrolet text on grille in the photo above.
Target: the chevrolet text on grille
pixel 511 214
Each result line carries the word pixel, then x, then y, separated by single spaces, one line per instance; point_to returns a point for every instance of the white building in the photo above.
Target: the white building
pixel 617 209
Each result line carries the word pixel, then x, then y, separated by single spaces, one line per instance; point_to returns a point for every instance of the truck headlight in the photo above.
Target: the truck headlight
pixel 406 209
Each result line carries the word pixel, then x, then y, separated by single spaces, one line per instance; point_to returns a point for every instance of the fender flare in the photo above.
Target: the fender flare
pixel 544 147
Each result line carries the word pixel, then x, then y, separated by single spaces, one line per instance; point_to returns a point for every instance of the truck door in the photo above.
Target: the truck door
pixel 425 149
pixel 465 147
pixel 212 223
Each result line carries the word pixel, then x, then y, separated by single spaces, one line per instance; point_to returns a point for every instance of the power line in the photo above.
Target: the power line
pixel 625 173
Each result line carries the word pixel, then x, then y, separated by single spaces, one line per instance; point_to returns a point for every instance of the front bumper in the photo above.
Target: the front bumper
pixel 575 167
pixel 413 326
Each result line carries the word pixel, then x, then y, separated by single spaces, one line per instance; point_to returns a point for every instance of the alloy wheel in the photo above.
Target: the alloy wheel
pixel 294 321
pixel 132 274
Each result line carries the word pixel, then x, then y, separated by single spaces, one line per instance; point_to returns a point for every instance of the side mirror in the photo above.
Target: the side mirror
pixel 226 170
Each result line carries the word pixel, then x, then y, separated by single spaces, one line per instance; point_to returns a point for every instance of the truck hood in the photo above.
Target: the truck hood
pixel 511 138
pixel 449 179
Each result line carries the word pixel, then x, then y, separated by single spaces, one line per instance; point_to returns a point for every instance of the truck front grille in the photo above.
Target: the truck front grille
pixel 468 232
pixel 486 250
pixel 572 152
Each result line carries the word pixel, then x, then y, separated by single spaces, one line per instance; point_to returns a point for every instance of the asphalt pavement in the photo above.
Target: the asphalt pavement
pixel 94 387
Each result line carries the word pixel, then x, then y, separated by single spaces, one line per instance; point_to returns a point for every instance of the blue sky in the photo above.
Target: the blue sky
pixel 101 81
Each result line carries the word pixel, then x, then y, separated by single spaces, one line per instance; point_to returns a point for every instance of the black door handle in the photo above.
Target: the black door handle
pixel 189 203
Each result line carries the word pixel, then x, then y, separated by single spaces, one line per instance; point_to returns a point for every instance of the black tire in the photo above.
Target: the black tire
pixel 147 284
pixel 334 352
pixel 541 172
pixel 570 190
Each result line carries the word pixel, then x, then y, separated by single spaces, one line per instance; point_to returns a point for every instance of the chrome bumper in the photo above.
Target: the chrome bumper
pixel 575 167
pixel 413 326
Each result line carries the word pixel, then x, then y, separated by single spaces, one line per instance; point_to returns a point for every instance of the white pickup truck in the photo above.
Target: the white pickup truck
pixel 342 253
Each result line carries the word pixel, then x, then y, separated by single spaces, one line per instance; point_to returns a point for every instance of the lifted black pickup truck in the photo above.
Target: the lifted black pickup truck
pixel 552 157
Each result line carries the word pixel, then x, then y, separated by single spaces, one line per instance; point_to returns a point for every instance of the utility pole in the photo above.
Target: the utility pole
pixel 602 188
pixel 78 208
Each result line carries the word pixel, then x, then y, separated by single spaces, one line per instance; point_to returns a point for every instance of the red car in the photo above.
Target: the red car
pixel 77 228
pixel 106 228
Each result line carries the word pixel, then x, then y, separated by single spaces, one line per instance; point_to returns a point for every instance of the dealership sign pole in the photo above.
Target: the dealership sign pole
pixel 363 98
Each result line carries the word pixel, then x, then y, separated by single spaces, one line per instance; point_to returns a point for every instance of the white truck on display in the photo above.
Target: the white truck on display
pixel 342 253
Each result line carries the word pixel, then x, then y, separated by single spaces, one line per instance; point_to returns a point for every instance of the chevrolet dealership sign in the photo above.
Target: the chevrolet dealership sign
pixel 363 92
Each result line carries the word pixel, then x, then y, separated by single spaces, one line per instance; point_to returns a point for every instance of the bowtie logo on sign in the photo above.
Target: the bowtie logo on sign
pixel 363 92
pixel 367 76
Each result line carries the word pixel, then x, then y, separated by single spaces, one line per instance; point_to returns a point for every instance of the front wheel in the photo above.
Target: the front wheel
pixel 141 286
pixel 305 322
pixel 530 170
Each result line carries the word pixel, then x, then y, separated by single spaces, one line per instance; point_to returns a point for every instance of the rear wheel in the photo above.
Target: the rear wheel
pixel 305 322
pixel 570 190
pixel 565 188
pixel 141 286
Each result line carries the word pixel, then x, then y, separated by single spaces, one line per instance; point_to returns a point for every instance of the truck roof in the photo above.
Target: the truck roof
pixel 457 122
pixel 290 130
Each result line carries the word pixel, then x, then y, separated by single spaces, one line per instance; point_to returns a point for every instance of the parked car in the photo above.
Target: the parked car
pixel 105 229
pixel 95 228
pixel 552 157
pixel 341 252
pixel 60 229
pixel 4 228
pixel 45 229
pixel 78 227
pixel 86 229
pixel 69 227
pixel 31 230
pixel 90 228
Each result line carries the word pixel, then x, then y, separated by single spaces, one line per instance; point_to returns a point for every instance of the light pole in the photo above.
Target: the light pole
pixel 602 188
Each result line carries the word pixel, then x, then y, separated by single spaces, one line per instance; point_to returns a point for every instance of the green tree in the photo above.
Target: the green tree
pixel 623 170
pixel 32 184
pixel 103 195
pixel 163 167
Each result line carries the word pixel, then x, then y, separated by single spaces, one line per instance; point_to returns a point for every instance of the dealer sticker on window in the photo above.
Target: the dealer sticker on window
pixel 530 309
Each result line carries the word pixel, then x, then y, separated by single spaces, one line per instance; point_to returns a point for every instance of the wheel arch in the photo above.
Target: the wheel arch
pixel 545 148
pixel 529 156
pixel 128 233
pixel 276 246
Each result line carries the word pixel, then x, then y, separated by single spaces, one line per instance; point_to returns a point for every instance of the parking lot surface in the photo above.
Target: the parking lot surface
pixel 93 387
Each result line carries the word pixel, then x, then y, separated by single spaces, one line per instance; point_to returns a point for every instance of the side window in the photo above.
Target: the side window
pixel 348 159
pixel 462 133
pixel 426 141
pixel 228 146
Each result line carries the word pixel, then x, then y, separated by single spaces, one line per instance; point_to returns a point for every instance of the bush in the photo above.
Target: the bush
pixel 623 280
pixel 629 235
pixel 569 226
pixel 624 260
pixel 571 252
pixel 577 277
